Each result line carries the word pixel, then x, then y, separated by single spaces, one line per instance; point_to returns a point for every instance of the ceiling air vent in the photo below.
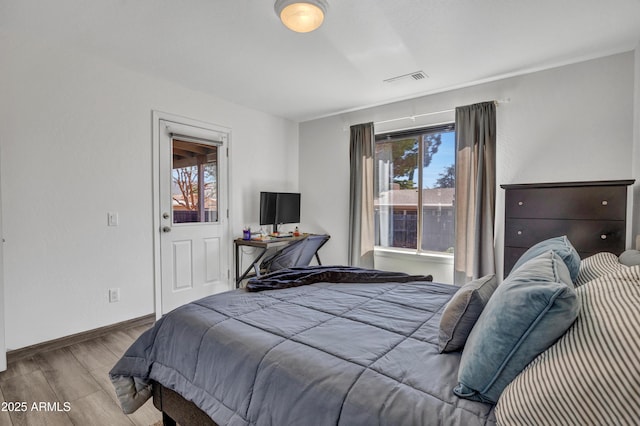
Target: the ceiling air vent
pixel 418 75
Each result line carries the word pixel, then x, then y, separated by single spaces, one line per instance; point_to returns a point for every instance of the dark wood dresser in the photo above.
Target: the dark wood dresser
pixel 591 214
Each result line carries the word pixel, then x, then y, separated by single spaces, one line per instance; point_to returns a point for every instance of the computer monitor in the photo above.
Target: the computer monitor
pixel 279 207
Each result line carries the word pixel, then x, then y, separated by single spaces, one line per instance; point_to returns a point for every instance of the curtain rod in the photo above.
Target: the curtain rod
pixel 413 117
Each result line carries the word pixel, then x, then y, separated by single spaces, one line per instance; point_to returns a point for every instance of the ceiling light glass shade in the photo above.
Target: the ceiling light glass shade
pixel 301 16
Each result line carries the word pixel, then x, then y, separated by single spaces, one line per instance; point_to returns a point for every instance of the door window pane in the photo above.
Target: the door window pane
pixel 194 182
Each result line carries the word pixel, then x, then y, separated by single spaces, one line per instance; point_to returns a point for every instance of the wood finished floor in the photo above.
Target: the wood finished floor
pixel 78 375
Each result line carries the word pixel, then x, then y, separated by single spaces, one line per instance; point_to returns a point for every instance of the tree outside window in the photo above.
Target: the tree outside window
pixel 194 182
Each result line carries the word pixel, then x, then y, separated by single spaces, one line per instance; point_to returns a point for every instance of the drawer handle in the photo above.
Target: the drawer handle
pixel 605 202
pixel 521 203
pixel 519 232
pixel 603 236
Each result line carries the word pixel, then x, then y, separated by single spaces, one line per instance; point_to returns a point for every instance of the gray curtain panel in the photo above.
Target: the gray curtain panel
pixel 475 191
pixel 361 214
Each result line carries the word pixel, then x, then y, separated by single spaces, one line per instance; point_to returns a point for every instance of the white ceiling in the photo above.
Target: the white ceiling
pixel 238 50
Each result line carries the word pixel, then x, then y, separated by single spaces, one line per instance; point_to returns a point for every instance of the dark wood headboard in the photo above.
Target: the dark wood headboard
pixel 591 214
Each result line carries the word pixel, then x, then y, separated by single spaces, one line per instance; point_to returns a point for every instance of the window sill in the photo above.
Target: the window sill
pixel 398 253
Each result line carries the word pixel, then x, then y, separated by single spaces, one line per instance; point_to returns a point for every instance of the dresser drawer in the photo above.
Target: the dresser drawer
pixel 589 202
pixel 586 235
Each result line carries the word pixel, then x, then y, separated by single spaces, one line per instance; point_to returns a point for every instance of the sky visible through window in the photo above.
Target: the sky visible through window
pixel 444 158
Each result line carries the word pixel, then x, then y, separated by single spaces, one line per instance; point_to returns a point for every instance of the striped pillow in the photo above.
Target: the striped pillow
pixel 596 266
pixel 591 375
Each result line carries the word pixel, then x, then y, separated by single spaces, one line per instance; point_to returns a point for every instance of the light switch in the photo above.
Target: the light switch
pixel 114 295
pixel 112 218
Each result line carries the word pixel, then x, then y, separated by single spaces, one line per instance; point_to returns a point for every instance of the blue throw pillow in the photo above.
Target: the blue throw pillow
pixel 527 313
pixel 561 246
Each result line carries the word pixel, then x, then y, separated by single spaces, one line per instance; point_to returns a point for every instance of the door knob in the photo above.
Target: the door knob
pixel 166 229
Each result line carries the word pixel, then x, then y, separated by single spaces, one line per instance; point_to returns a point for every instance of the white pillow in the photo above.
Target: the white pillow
pixel 630 257
pixel 590 376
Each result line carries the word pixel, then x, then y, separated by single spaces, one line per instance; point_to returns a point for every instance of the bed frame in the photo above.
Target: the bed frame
pixel 177 410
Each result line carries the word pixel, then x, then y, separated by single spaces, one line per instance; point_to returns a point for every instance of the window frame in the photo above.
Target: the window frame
pixel 415 131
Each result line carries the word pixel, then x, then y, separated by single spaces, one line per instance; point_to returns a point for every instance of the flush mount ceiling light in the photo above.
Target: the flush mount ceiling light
pixel 301 16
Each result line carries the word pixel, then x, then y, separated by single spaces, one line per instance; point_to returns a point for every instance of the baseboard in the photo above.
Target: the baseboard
pixel 62 342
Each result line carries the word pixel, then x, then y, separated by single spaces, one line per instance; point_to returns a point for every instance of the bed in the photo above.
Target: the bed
pixel 323 353
pixel 370 353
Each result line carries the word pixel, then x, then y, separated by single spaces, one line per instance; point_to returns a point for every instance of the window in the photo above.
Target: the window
pixel 194 186
pixel 414 189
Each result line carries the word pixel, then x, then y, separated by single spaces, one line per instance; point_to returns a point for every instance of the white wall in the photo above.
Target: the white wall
pixel 571 123
pixel 3 354
pixel 76 143
pixel 439 266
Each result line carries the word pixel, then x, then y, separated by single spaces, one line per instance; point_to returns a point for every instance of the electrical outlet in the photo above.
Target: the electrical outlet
pixel 112 218
pixel 114 295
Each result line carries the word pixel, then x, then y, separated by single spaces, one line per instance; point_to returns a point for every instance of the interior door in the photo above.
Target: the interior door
pixel 193 230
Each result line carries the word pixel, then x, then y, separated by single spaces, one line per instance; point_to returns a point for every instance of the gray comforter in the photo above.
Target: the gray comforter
pixel 321 354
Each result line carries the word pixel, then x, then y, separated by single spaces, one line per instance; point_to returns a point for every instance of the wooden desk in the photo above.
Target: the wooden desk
pixel 262 246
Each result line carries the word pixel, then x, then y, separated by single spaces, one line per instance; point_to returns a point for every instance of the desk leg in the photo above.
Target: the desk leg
pixel 237 262
pixel 253 262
